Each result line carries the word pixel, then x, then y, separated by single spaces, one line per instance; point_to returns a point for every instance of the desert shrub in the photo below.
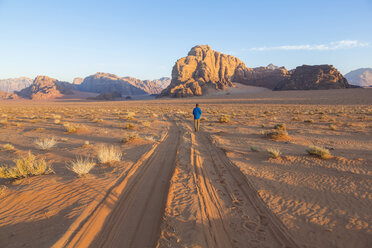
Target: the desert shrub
pixel 57 121
pixel 276 134
pixel 332 127
pixel 129 137
pixel 45 143
pixel 3 188
pixel 130 126
pixel 309 121
pixel 274 153
pixel 74 128
pixel 149 137
pixel 81 165
pixel 280 126
pixel 130 115
pixel 109 154
pixel 96 120
pixel 255 149
pixel 203 119
pixel 25 167
pixel 319 152
pixel 146 124
pixel 8 147
pixel 224 119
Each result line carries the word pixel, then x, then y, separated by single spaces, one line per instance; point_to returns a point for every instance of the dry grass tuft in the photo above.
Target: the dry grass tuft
pixel 109 154
pixel 81 165
pixel 8 147
pixel 276 134
pixel 274 153
pixel 45 143
pixel 130 126
pixel 129 137
pixel 224 119
pixel 3 188
pixel 74 128
pixel 255 149
pixel 319 152
pixel 25 167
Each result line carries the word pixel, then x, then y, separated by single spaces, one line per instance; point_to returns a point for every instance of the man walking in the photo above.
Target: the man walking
pixel 197 113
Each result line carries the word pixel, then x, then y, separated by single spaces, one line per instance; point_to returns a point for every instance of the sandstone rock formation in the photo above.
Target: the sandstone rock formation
pixel 14 84
pixel 267 77
pixel 45 87
pixel 108 83
pixel 316 77
pixel 78 80
pixel 8 96
pixel 361 77
pixel 204 68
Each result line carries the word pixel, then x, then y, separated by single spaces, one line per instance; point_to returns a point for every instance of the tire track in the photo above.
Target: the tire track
pixel 134 219
pixel 244 196
pixel 221 204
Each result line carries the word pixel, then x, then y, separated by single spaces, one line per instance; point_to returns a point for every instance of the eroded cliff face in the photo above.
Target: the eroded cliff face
pixel 109 83
pixel 202 68
pixel 205 68
pixel 44 87
pixel 14 84
pixel 314 77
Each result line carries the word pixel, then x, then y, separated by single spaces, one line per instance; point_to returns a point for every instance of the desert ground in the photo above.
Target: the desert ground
pixel 246 179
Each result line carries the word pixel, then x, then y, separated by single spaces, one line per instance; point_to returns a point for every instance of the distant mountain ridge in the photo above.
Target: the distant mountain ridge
pixel 14 84
pixel 360 77
pixel 110 83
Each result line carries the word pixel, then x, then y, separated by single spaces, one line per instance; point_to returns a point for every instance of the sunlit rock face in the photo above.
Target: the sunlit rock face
pixel 205 68
pixel 44 87
pixel 315 77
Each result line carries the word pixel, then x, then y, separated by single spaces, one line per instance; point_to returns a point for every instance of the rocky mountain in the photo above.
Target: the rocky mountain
pixel 109 83
pixel 78 80
pixel 8 96
pixel 14 84
pixel 162 82
pixel 361 77
pixel 204 68
pixel 44 87
pixel 316 77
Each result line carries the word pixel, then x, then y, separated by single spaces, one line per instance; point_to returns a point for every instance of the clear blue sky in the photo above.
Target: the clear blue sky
pixel 143 39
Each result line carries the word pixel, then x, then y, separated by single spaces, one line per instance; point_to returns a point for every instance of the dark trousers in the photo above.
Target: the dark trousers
pixel 196 124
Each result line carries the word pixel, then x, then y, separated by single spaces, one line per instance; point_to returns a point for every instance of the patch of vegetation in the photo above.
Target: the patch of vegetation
pixel 45 143
pixel 109 154
pixel 74 128
pixel 332 127
pixel 129 137
pixel 277 134
pixel 8 147
pixel 224 119
pixel 26 167
pixel 309 121
pixel 274 153
pixel 319 152
pixel 130 126
pixel 81 165
pixel 255 149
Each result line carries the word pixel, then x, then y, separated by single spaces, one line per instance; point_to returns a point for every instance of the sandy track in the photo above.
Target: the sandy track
pixel 212 204
pixel 134 219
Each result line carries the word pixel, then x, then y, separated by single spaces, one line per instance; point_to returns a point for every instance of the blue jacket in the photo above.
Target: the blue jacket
pixel 197 113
